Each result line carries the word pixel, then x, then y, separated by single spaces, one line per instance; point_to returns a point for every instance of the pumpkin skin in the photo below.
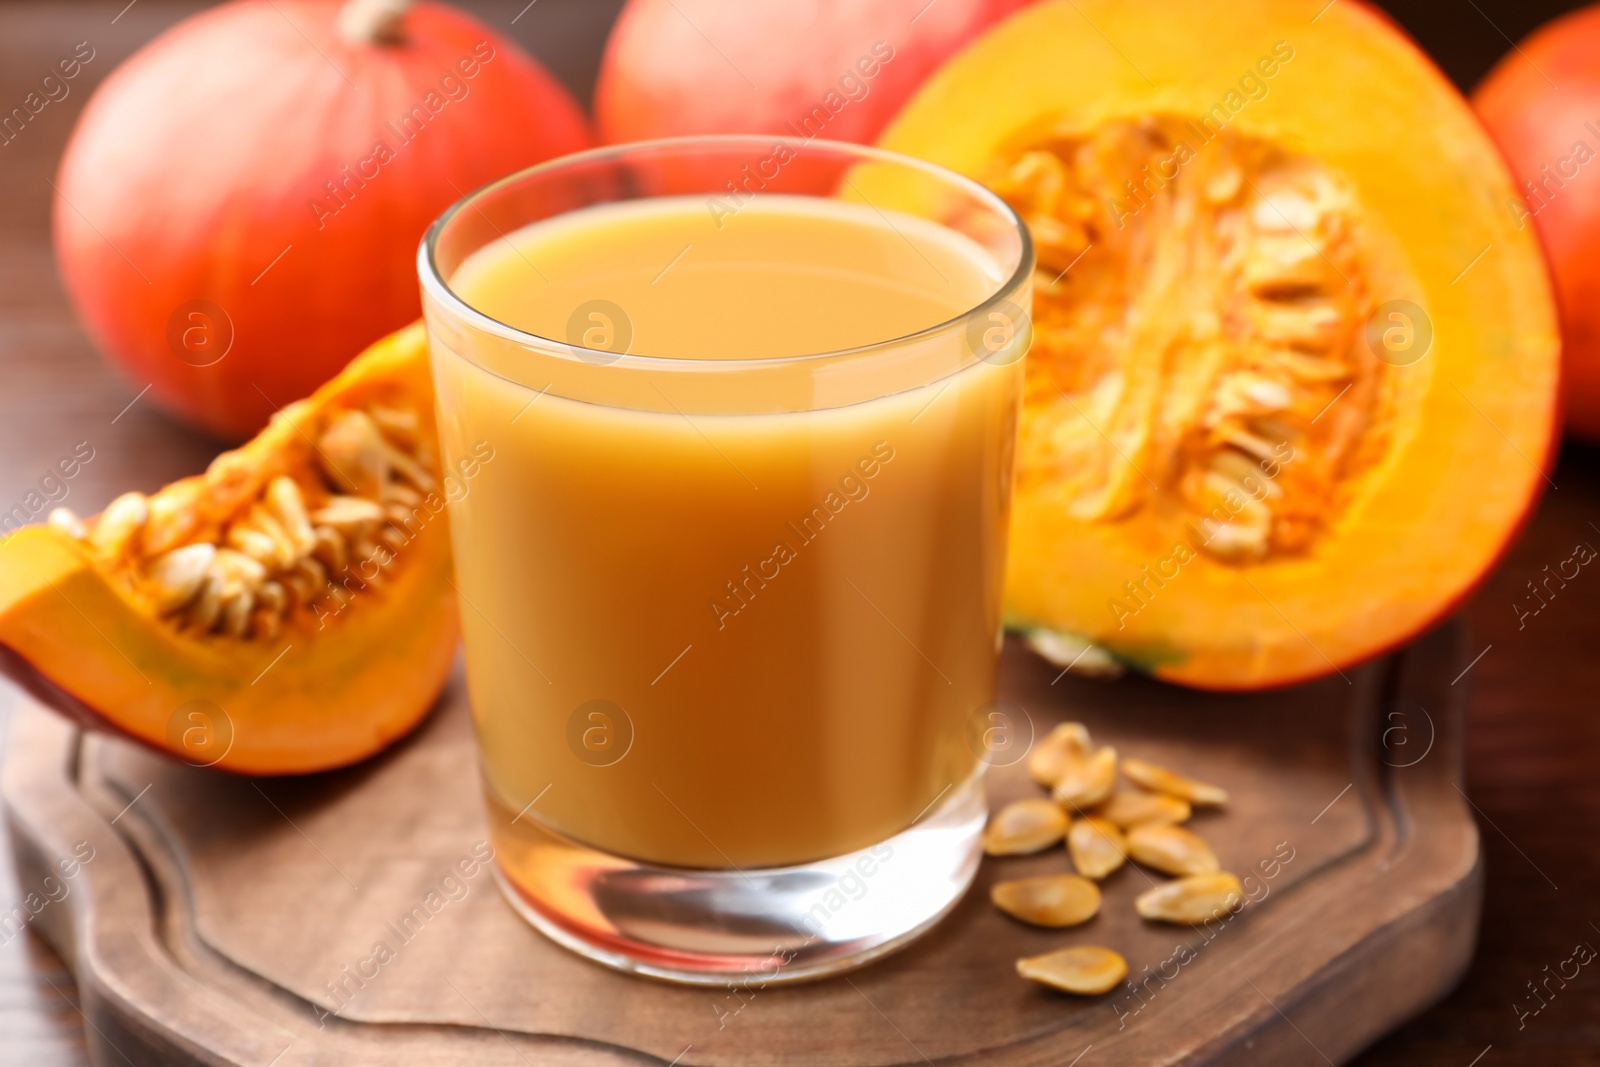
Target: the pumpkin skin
pixel 338 682
pixel 197 174
pixel 674 68
pixel 1540 129
pixel 1448 473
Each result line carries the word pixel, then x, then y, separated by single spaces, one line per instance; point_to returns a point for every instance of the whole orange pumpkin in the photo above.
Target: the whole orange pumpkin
pixel 1551 138
pixel 838 69
pixel 239 207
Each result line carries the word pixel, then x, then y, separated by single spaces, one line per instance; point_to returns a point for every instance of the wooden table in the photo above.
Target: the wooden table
pixel 1535 738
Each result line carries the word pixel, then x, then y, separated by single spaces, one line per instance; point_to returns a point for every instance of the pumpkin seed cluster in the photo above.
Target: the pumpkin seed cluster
pixel 1103 828
pixel 282 541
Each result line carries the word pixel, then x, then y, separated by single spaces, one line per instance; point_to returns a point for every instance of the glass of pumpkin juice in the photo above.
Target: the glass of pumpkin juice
pixel 735 419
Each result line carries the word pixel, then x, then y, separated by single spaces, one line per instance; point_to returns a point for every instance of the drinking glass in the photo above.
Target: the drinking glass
pixel 731 624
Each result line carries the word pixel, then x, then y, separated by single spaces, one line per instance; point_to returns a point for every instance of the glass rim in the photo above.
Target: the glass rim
pixel 437 288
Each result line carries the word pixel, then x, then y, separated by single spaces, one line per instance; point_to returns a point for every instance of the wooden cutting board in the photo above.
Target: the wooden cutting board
pixel 229 920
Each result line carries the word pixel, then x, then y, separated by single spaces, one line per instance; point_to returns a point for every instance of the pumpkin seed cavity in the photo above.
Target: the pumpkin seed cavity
pixel 1200 304
pixel 282 546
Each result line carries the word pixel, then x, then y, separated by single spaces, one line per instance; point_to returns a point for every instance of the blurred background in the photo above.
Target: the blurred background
pixel 1535 737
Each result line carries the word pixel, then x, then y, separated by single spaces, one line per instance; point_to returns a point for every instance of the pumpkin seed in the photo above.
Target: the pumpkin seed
pixel 232 476
pixel 266 624
pixel 118 523
pixel 1159 779
pixel 328 547
pixel 227 595
pixel 396 423
pixel 1073 653
pixel 399 514
pixel 1097 847
pixel 273 597
pixel 1311 368
pixel 179 574
pixel 1309 327
pixel 174 514
pixel 288 508
pixel 66 520
pixel 1041 175
pixel 1131 807
pixel 1236 470
pixel 237 570
pixel 1058 242
pixel 1286 210
pixel 261 516
pixel 398 494
pixel 255 543
pixel 1085 781
pixel 312 573
pixel 408 468
pixel 307 580
pixel 1085 969
pixel 365 548
pixel 1025 826
pixel 1240 540
pixel 1223 184
pixel 1049 757
pixel 1194 899
pixel 1285 266
pixel 354 454
pixel 1171 850
pixel 1049 900
pixel 1251 444
pixel 207 607
pixel 236 614
pixel 347 513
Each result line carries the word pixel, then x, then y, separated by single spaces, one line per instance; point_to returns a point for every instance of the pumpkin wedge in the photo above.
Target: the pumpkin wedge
pixel 1294 374
pixel 286 611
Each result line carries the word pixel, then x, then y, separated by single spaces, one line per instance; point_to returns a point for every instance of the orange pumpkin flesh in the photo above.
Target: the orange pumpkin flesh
pixel 264 666
pixel 1237 467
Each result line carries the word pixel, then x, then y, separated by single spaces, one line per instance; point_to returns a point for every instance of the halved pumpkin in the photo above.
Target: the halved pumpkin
pixel 1294 374
pixel 286 611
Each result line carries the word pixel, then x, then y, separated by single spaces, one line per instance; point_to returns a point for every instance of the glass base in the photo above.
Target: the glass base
pixel 775 924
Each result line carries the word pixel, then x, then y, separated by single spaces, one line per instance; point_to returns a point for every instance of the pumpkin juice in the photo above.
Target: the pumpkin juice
pixel 709 624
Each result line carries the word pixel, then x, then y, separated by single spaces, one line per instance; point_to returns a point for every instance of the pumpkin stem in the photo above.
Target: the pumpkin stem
pixel 373 21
